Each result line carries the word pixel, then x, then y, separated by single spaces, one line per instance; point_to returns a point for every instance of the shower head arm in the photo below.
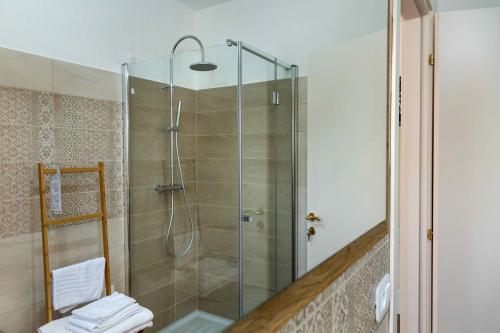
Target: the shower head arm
pixel 202 49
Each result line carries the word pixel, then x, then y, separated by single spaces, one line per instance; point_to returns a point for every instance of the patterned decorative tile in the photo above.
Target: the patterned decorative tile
pixel 360 290
pixel 59 130
pixel 16 217
pixel 15 106
pixel 320 321
pixel 347 305
pixel 71 111
pixel 15 143
pixel 115 146
pixel 44 109
pixel 46 141
pixel 16 181
pixel 114 203
pixel 113 170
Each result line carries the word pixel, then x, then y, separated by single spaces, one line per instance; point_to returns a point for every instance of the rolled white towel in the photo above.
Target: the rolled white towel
pixel 103 309
pixel 141 320
pixel 122 315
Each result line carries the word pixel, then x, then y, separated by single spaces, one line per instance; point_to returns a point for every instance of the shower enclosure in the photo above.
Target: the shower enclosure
pixel 231 191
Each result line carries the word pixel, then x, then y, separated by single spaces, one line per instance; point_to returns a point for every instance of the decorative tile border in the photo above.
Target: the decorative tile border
pixel 347 305
pixel 60 130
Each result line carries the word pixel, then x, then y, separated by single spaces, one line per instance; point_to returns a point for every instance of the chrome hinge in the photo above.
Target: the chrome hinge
pixel 399 106
pixel 276 98
pixel 430 234
pixel 432 59
pixel 132 91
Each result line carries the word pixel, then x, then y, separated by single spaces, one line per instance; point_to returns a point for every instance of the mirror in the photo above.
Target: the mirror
pixel 344 187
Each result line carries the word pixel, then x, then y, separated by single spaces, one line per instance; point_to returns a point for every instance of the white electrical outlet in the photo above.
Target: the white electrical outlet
pixel 382 298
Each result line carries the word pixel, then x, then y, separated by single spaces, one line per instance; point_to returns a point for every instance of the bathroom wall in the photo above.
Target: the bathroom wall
pixel 278 26
pixel 164 284
pixel 347 305
pixel 100 34
pixel 467 183
pixel 66 115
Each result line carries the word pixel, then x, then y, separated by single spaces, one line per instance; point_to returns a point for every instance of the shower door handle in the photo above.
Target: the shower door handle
pixel 247 218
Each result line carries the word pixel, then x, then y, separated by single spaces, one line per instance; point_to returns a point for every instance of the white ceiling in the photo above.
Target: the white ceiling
pixel 201 4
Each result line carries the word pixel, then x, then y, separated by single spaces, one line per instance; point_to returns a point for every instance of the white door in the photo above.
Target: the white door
pixel 346 142
pixel 467 193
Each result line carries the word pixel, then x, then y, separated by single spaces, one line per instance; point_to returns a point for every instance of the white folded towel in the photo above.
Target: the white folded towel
pixel 102 310
pixel 127 312
pixel 139 321
pixel 76 284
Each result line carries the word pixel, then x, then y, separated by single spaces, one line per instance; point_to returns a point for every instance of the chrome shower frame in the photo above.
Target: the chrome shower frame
pixel 241 47
pixel 294 109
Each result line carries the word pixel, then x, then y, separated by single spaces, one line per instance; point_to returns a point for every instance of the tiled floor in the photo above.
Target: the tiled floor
pixel 198 322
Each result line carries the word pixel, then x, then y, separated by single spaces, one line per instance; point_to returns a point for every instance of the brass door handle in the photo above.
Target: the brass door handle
pixel 311 217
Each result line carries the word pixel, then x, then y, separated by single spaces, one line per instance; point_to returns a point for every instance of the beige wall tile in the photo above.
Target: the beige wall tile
pixel 185 285
pixel 216 99
pixel 23 70
pixel 73 79
pixel 254 296
pixel 149 146
pixel 216 146
pixel 148 94
pixel 20 289
pixel 216 241
pixel 158 300
pixel 218 296
pixel 24 320
pixel 259 120
pixel 218 194
pixel 219 265
pixel 185 307
pixel 218 217
pixel 148 225
pixel 302 90
pixel 217 170
pixel 146 253
pixel 162 319
pixel 302 118
pixel 259 272
pixel 259 247
pixel 152 277
pixel 220 122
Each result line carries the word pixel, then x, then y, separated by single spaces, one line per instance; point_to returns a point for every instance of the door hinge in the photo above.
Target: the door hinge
pixel 399 106
pixel 276 98
pixel 432 59
pixel 430 234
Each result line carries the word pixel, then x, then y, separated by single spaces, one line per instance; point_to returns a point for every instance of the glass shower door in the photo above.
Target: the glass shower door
pixel 266 227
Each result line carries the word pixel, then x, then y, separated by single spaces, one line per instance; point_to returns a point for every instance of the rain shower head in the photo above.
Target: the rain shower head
pixel 203 66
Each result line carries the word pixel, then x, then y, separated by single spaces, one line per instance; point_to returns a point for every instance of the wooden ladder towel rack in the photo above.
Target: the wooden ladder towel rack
pixel 46 223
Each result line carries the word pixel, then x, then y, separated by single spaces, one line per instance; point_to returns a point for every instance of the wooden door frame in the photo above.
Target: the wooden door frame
pixel 416 166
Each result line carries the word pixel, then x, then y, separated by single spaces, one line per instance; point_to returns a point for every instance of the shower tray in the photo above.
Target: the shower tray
pixel 198 322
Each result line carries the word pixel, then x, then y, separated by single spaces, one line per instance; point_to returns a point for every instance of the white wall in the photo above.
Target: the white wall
pixel 468 164
pixel 290 29
pixel 97 33
pixel 346 143
pixel 448 5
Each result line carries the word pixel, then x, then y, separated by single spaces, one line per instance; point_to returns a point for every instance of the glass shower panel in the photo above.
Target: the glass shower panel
pixel 204 282
pixel 259 250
